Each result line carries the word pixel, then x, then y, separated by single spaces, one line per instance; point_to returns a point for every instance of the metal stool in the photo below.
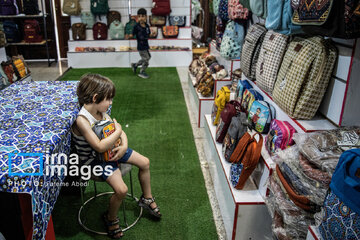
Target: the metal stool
pixel 125 168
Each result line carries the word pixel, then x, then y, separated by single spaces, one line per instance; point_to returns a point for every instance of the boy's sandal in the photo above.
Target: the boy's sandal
pixel 113 232
pixel 146 202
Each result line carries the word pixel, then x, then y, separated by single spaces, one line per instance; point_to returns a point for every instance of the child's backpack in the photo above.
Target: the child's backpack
pixel 237 128
pixel 249 96
pixel 260 116
pixel 31 7
pixel 223 10
pixel 129 27
pixel 100 31
pixel 2 38
pixel 237 11
pixel 341 206
pixel 280 136
pixel 232 40
pixel 231 109
pixel 78 31
pixel 241 86
pixel 72 7
pixel 117 30
pixel 112 16
pixel 20 67
pixel 161 7
pixel 99 7
pixel 222 97
pixel 12 32
pixel 8 7
pixel 88 19
pixel 32 31
pixel 245 159
pixel 251 49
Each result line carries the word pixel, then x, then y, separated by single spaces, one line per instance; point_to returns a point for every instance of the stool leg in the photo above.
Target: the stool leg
pixel 131 185
pixel 124 212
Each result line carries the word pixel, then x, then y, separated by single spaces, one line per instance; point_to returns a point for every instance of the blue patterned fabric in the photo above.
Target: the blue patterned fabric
pixel 339 221
pixel 235 171
pixel 35 117
pixel 223 10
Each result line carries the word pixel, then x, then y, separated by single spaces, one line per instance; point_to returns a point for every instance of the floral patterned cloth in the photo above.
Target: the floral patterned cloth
pixel 35 121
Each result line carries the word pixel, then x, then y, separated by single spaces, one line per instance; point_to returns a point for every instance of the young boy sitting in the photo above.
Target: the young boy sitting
pixel 142 32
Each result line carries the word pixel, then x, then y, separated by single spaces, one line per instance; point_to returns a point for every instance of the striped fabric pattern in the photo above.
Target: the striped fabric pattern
pixel 303 76
pixel 270 58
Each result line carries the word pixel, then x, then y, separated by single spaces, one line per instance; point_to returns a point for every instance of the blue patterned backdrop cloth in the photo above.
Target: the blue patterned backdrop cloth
pixel 35 121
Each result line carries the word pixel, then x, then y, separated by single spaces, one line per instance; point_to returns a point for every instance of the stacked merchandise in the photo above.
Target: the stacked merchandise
pixel 301 181
pixel 13 70
pixel 205 70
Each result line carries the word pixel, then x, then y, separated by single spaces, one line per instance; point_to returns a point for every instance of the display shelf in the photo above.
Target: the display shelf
pixel 203 104
pixel 24 16
pixel 229 65
pixel 244 212
pixel 313 233
pixel 23 43
pixel 317 123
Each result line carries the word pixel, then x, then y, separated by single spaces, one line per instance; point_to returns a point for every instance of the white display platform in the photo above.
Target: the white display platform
pixel 313 234
pixel 244 212
pixel 203 104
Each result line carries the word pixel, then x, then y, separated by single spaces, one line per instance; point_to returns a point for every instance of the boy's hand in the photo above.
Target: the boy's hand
pixel 117 154
pixel 117 125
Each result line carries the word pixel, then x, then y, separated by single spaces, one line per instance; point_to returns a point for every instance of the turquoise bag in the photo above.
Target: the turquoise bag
pixel 232 40
pixel 87 18
pixel 259 8
pixel 116 30
pixel 279 18
pixel 216 7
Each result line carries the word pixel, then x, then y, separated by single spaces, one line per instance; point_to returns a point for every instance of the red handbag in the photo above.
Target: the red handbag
pixel 100 31
pixel 161 7
pixel 170 31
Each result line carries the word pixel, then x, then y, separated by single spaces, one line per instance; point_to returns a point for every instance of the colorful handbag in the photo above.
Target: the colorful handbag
pixel 179 21
pixel 78 31
pixel 232 40
pixel 153 32
pixel 170 31
pixel 313 13
pixel 88 19
pixel 251 49
pixel 157 21
pixel 260 116
pixel 237 11
pixel 280 136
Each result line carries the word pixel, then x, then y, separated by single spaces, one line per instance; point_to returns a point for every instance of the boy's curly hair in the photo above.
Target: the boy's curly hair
pixel 91 84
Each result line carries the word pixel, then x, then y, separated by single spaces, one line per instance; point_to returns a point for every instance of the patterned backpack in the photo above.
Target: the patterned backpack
pixel 87 18
pixel 232 40
pixel 249 96
pixel 251 49
pixel 223 10
pixel 216 7
pixel 237 11
pixel 303 76
pixel 260 116
pixel 117 30
pixel 270 58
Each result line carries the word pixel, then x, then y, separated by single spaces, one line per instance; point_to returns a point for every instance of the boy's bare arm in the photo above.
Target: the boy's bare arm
pixel 89 135
pixel 120 150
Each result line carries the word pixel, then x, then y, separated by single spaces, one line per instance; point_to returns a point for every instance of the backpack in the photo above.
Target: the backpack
pixel 245 159
pixel 279 17
pixel 117 30
pixel 88 19
pixel 78 31
pixel 260 116
pixel 232 41
pixel 161 7
pixel 223 10
pixel 179 21
pixel 31 7
pixel 99 7
pixel 100 31
pixel 12 32
pixel 259 7
pixel 216 7
pixel 222 97
pixel 72 7
pixel 270 58
pixel 231 109
pixel 237 11
pixel 249 96
pixel 303 76
pixel 112 16
pixel 8 7
pixel 341 206
pixel 129 27
pixel 2 39
pixel 32 31
pixel 240 89
pixel 219 33
pixel 251 49
pixel 280 136
pixel 237 128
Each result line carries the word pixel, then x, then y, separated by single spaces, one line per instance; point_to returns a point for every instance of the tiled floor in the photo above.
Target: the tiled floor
pixel 41 72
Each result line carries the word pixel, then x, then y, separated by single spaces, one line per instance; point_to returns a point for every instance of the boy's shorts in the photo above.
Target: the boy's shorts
pixel 111 166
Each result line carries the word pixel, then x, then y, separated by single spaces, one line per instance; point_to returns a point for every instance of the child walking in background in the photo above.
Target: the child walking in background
pixel 95 94
pixel 142 32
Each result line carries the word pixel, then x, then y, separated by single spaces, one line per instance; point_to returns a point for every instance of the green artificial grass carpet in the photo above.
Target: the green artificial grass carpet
pixel 153 114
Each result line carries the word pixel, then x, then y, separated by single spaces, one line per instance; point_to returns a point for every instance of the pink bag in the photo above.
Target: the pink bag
pixel 237 11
